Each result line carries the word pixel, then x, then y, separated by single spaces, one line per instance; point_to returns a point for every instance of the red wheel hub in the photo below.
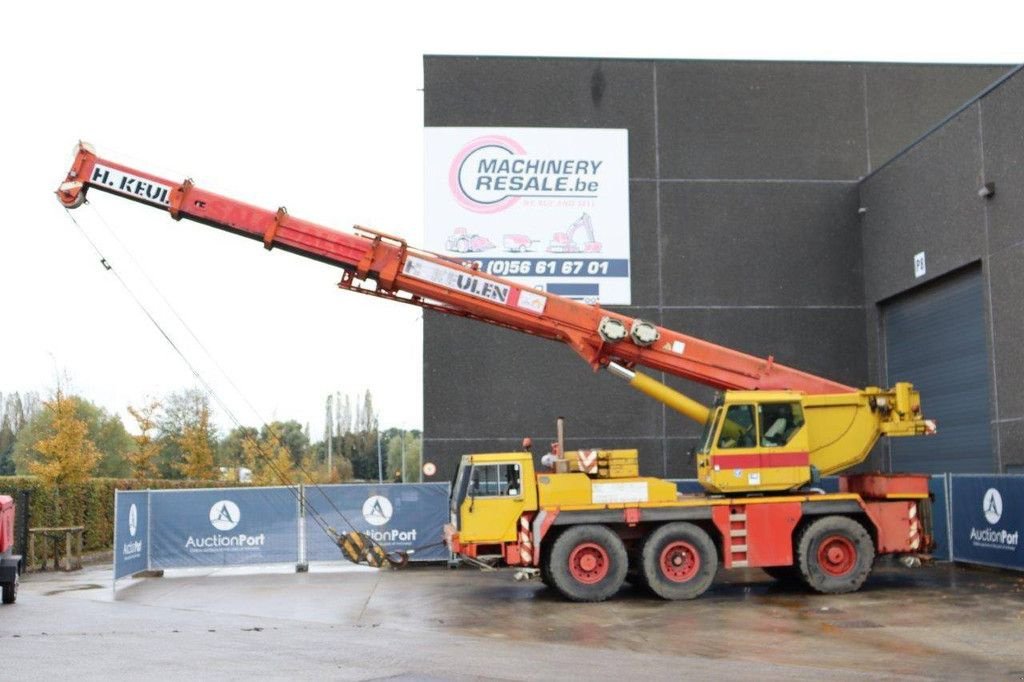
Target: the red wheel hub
pixel 837 555
pixel 679 561
pixel 588 563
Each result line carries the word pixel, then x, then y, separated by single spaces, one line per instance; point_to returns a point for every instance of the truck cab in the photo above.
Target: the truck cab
pixel 755 440
pixel 490 494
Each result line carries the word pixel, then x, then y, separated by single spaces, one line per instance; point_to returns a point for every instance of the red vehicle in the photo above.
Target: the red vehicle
pixel 9 562
pixel 518 243
pixel 565 242
pixel 462 241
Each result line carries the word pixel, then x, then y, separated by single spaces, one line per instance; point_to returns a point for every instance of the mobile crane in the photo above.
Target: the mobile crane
pixel 584 521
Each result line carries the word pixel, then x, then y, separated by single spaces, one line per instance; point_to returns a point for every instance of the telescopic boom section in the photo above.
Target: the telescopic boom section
pixel 421 278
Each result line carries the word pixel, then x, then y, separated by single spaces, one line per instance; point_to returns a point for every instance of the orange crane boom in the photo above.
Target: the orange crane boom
pixel 382 265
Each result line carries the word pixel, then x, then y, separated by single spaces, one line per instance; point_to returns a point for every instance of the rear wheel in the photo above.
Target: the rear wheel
pixel 587 563
pixel 835 555
pixel 10 591
pixel 679 561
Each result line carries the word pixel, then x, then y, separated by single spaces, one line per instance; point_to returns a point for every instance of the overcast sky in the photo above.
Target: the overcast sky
pixel 319 108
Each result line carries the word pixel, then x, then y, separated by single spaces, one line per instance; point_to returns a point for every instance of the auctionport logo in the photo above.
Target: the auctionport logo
pixel 992 505
pixel 133 548
pixel 133 520
pixel 492 173
pixel 225 515
pixel 377 510
pixel 994 538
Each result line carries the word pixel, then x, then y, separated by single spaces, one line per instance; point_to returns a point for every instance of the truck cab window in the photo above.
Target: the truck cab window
pixel 738 428
pixel 495 480
pixel 779 421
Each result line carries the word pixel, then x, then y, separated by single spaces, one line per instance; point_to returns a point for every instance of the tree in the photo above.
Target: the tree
pixel 197 449
pixel 68 456
pixel 270 461
pixel 182 411
pixel 111 438
pixel 7 440
pixel 143 459
pixel 230 450
pixel 291 435
pixel 104 431
pixel 407 442
pixel 344 416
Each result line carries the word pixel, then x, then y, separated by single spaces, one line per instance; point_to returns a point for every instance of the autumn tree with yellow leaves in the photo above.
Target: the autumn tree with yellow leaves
pixel 269 460
pixel 143 459
pixel 196 449
pixel 68 456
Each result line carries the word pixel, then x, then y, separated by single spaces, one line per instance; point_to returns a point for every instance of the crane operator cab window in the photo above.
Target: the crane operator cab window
pixel 495 480
pixel 738 428
pixel 779 422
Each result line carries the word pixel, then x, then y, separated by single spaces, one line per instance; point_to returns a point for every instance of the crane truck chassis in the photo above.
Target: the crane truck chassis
pixel 589 520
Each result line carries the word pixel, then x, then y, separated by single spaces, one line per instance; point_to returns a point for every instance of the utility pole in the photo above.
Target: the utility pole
pixel 404 479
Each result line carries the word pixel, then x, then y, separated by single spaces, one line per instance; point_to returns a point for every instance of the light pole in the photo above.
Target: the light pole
pixel 380 463
pixel 330 432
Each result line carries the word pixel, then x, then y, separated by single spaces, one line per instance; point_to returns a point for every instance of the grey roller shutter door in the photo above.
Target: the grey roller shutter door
pixel 935 337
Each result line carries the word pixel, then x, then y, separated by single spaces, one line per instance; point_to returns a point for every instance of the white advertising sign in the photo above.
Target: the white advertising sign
pixel 547 207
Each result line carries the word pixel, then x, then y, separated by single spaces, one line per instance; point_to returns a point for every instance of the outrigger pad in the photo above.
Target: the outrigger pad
pixel 359 549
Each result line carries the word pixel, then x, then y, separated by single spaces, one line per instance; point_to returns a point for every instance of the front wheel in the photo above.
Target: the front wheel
pixel 835 555
pixel 587 563
pixel 679 561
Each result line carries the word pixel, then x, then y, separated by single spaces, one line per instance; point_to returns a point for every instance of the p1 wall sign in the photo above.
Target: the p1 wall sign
pixel 988 516
pixel 547 207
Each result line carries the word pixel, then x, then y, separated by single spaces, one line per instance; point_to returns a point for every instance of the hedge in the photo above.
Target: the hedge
pixel 89 504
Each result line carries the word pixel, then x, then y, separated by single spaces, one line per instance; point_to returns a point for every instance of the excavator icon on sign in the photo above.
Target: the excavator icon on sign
pixel 565 242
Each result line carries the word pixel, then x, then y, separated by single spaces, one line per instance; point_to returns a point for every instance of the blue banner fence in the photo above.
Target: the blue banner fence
pixel 158 529
pixel 976 519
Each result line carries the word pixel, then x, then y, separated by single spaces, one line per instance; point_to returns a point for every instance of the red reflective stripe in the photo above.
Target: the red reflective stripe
pixel 766 460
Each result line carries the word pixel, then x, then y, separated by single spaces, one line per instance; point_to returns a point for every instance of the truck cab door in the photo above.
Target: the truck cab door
pixel 735 453
pixel 495 499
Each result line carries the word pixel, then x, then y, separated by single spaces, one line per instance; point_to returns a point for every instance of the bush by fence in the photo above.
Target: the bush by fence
pixel 89 504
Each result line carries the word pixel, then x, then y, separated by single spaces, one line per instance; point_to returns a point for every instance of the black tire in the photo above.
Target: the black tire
pixel 679 561
pixel 835 555
pixel 545 571
pixel 10 591
pixel 587 563
pixel 786 575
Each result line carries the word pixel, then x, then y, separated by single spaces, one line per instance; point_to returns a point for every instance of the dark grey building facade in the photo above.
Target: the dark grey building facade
pixel 775 208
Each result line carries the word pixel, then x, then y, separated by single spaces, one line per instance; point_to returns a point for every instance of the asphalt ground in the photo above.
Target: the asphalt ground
pixel 431 623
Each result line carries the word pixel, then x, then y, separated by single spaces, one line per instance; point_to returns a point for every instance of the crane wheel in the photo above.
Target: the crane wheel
pixel 587 563
pixel 679 561
pixel 835 555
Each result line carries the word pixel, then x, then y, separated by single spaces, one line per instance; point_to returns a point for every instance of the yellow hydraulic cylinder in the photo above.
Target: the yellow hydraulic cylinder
pixel 662 393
